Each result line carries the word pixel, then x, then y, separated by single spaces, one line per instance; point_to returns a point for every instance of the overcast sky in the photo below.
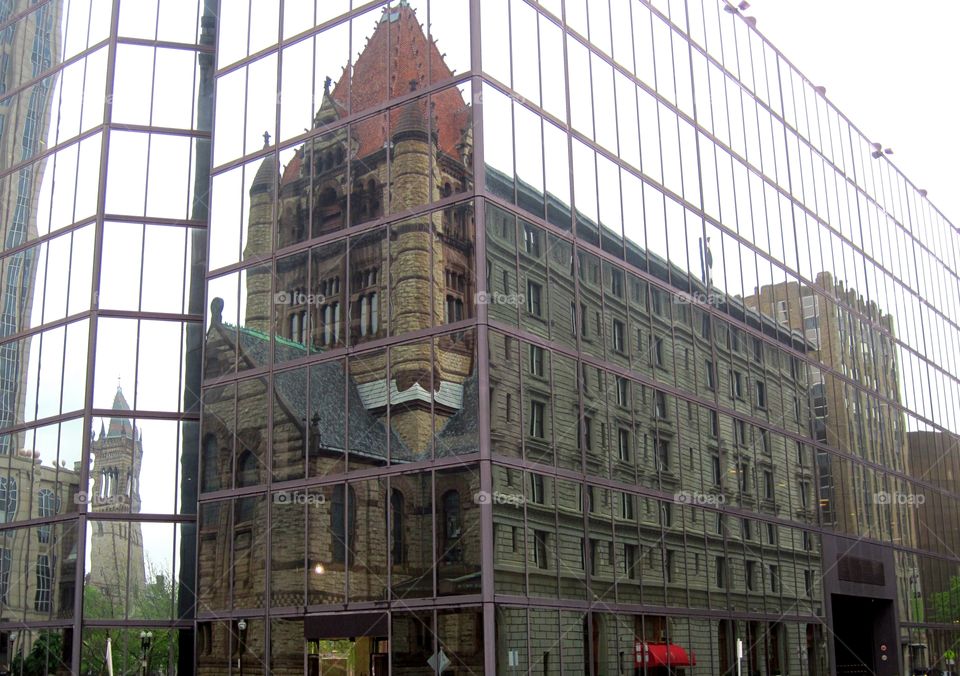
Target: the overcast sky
pixel 891 67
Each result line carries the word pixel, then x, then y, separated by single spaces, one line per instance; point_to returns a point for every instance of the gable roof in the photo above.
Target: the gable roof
pixel 397 58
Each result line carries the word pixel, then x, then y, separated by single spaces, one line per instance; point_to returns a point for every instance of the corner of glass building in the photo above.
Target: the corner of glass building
pixel 453 337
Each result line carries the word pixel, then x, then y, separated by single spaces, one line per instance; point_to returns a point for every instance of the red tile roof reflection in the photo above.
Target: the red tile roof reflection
pixel 396 57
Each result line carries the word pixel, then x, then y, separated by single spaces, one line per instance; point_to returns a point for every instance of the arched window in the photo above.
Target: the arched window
pixel 373 191
pixel 42 595
pixel 247 471
pixel 211 476
pixel 343 521
pixel 396 527
pixel 295 327
pixel 46 507
pixel 328 197
pixel 245 510
pixel 454 309
pixel 452 527
pixel 8 499
pixel 374 313
pixel 364 314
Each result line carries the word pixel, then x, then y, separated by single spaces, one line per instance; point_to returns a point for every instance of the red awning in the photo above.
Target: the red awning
pixel 663 655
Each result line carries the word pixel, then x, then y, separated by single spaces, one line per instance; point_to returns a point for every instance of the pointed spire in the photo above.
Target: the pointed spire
pixel 120 426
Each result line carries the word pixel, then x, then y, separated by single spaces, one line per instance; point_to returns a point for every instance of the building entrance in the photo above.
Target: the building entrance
pixel 859 640
pixel 347 645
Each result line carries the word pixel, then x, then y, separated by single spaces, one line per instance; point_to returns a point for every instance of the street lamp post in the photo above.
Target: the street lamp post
pixel 242 631
pixel 146 638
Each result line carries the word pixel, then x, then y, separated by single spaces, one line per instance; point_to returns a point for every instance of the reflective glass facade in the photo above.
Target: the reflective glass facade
pixel 102 288
pixel 452 337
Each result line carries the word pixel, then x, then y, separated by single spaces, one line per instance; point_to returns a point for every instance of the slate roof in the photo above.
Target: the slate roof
pixel 367 435
pixel 461 434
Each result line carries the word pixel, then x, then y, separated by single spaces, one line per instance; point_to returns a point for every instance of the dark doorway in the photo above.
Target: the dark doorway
pixel 348 643
pixel 858 622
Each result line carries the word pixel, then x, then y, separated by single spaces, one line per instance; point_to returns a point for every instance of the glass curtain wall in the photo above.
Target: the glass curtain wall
pixel 100 133
pixel 563 337
pixel 720 368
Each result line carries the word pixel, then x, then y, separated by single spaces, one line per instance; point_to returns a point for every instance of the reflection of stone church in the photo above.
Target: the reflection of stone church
pixel 418 400
pixel 407 403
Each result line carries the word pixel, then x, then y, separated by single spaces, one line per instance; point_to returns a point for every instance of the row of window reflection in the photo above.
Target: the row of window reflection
pixel 56 276
pixel 38 570
pixel 534 276
pixel 547 641
pixel 52 193
pixel 637 545
pixel 36 195
pixel 408 642
pixel 321 549
pixel 535 640
pixel 306 302
pixel 548 409
pixel 756 109
pixel 542 425
pixel 326 544
pixel 340 525
pixel 651 228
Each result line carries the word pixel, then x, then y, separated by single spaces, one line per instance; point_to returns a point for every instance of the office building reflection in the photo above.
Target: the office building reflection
pixel 449 337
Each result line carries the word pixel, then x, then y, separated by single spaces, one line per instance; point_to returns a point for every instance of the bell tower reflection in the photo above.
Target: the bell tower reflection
pixel 116 546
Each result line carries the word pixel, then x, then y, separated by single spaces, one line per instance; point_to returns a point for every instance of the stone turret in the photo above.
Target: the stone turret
pixel 259 242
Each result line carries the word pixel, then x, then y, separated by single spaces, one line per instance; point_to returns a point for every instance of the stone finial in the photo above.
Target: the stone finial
pixel 216 310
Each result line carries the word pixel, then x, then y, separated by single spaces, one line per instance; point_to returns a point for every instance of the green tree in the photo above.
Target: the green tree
pixel 47 647
pixel 155 601
pixel 945 605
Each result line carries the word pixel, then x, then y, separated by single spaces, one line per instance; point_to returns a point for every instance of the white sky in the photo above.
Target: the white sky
pixel 890 67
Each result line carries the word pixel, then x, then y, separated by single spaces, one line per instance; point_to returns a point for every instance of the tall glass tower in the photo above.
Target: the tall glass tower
pixel 459 337
pixel 102 131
